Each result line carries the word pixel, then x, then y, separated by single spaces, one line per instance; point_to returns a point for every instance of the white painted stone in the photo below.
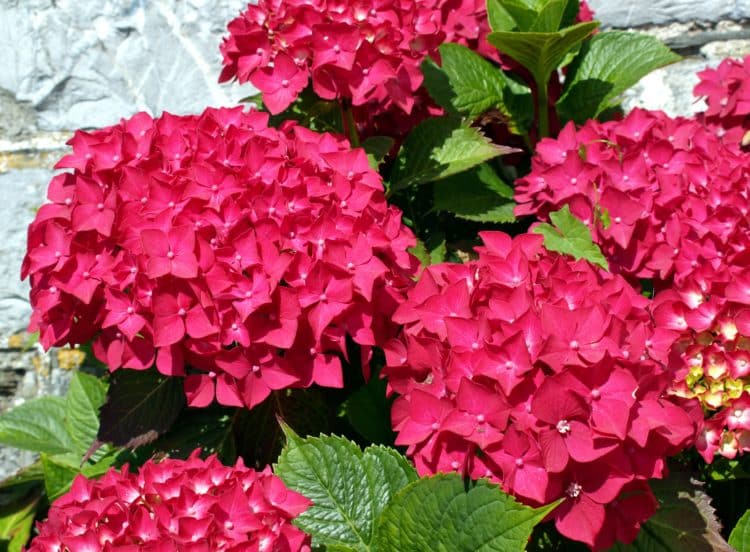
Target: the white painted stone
pixel 635 13
pixel 89 63
pixel 22 192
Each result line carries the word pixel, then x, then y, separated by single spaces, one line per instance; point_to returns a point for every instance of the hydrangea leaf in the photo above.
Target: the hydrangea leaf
pixel 498 16
pixel 377 147
pixel 17 520
pixel 85 397
pixel 479 195
pixel 369 410
pixel 60 470
pixel 440 513
pixel 570 236
pixel 37 425
pixel 541 52
pixel 440 147
pixel 740 537
pixel 349 487
pixel 210 429
pixel 58 476
pixel 607 65
pixel 140 406
pixel 466 83
pixel 684 522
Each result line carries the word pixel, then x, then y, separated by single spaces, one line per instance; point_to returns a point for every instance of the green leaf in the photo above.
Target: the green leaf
pixel 305 411
pixel 607 65
pixel 209 429
pixel 421 253
pixel 16 522
pixel 349 488
pixel 440 147
pixel 37 425
pixel 377 147
pixel 541 53
pixel 140 406
pixel 570 236
pixel 521 13
pixel 369 410
pixel 467 84
pixel 439 514
pixel 437 248
pixel 685 521
pixel 23 479
pixel 740 537
pixel 550 16
pixel 479 195
pixel 499 18
pixel 85 397
pixel 58 476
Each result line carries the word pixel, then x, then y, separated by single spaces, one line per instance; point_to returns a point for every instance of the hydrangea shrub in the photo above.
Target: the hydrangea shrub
pixel 436 229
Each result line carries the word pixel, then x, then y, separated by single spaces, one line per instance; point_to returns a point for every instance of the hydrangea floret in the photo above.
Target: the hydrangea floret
pixel 176 505
pixel 705 322
pixel 536 371
pixel 246 252
pixel 662 196
pixel 726 91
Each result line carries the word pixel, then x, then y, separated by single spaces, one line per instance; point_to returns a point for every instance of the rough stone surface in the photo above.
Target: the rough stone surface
pixel 671 88
pixel 89 63
pixel 26 373
pixel 635 13
pixel 21 192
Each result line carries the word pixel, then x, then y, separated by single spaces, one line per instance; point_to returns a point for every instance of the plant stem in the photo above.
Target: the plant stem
pixel 347 121
pixel 542 110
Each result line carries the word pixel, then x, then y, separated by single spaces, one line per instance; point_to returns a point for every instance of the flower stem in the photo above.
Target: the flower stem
pixel 542 110
pixel 347 121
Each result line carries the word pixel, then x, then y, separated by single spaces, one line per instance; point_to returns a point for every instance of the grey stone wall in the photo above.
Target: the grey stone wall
pixel 67 64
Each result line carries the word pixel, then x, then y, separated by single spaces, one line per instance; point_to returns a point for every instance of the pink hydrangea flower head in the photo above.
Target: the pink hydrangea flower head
pixel 535 371
pixel 726 91
pixel 705 328
pixel 193 504
pixel 366 53
pixel 661 195
pixel 245 252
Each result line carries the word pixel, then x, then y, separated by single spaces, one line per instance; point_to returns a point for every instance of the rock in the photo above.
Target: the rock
pixel 635 13
pixel 22 192
pixel 26 374
pixel 94 62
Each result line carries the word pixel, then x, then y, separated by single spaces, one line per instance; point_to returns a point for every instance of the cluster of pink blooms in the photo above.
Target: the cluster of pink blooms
pixel 707 318
pixel 540 373
pixel 662 196
pixel 176 505
pixel 367 52
pixel 726 90
pixel 667 199
pixel 246 252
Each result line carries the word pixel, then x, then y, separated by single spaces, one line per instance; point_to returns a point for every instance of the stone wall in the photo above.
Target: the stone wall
pixel 68 64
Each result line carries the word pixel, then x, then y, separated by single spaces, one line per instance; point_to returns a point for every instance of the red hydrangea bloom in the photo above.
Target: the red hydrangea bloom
pixel 704 328
pixel 246 252
pixel 366 51
pixel 726 90
pixel 535 371
pixel 661 196
pixel 176 505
